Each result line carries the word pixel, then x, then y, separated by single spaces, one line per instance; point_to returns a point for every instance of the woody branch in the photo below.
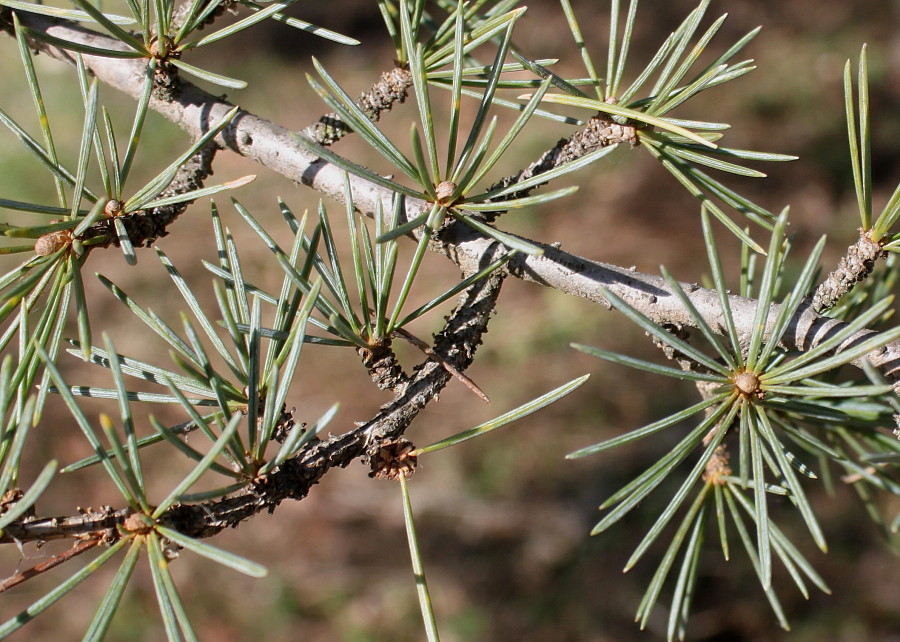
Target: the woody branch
pixel 278 149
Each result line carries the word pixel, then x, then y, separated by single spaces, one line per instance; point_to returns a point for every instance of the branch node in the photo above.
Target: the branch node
pixel 144 227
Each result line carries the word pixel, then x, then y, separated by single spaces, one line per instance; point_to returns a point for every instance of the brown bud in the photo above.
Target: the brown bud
pixel 113 207
pixel 747 383
pixel 444 190
pixel 137 523
pixel 52 242
pixel 160 47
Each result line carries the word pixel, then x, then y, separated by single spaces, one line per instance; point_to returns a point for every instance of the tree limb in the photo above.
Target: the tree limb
pixel 455 344
pixel 278 149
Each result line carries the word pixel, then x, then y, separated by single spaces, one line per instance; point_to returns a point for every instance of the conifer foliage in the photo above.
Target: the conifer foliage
pixel 794 362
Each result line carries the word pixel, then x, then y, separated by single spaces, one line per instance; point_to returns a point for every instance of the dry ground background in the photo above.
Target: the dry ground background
pixel 503 520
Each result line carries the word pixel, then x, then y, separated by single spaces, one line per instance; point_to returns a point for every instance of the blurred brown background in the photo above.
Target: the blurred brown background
pixel 504 521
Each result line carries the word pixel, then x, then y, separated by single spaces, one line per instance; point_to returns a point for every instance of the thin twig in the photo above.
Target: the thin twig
pixel 600 131
pixel 856 264
pixel 424 347
pixel 456 344
pixel 53 562
pixel 392 87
